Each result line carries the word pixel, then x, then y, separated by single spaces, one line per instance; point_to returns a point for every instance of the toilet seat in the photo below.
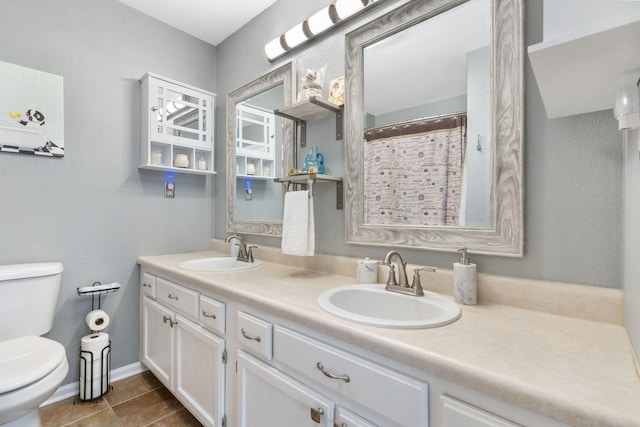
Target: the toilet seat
pixel 27 359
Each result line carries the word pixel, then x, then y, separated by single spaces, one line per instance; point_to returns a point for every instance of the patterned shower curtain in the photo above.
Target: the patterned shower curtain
pixel 413 172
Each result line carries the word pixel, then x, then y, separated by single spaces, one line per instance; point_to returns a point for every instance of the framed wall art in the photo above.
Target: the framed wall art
pixel 31 111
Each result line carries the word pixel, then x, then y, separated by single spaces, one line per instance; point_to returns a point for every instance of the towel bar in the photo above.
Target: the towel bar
pixel 310 179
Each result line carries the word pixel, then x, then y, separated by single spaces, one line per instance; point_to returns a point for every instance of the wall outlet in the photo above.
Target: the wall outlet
pixel 169 190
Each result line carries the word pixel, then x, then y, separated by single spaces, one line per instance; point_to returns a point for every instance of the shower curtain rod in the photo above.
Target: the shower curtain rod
pixel 414 121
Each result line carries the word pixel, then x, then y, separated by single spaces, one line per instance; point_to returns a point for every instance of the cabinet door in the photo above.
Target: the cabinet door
pixel 158 340
pixel 455 413
pixel 267 398
pixel 180 115
pixel 199 371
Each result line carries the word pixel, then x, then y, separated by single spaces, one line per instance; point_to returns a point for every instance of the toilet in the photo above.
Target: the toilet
pixel 31 367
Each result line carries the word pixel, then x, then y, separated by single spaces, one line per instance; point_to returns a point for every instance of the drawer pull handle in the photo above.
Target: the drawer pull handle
pixel 166 319
pixel 328 374
pixel 144 285
pixel 316 413
pixel 249 337
pixel 175 297
pixel 205 314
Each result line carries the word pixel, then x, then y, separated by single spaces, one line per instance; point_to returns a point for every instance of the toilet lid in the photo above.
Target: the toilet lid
pixel 27 359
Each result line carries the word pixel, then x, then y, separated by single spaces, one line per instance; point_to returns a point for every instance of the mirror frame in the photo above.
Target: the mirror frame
pixel 284 75
pixel 505 235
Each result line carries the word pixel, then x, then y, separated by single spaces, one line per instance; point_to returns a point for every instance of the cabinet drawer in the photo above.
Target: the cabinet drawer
pixel 457 413
pixel 399 398
pixel 213 314
pixel 148 285
pixel 182 299
pixel 255 334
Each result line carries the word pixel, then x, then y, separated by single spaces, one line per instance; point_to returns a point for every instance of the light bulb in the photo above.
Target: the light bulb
pixel 274 48
pixel 346 8
pixel 320 21
pixel 295 36
pixel 627 106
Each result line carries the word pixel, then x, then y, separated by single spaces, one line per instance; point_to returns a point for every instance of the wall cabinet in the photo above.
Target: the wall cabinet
pixel 177 126
pixel 188 359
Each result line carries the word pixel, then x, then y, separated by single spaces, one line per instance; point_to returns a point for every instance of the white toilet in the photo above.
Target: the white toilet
pixel 31 367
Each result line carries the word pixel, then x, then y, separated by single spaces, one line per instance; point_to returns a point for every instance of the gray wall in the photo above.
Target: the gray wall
pixel 572 165
pixel 93 210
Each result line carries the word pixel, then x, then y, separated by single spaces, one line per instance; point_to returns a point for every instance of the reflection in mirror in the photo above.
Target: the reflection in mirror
pixel 259 148
pixel 434 143
pixel 421 114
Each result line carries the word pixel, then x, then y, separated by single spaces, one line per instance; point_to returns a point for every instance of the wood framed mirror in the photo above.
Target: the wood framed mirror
pixel 259 148
pixel 393 213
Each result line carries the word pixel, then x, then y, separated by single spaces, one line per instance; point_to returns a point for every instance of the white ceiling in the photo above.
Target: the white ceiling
pixel 209 20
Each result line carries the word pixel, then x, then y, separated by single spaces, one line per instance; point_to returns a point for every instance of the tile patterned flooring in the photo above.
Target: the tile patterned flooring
pixel 137 401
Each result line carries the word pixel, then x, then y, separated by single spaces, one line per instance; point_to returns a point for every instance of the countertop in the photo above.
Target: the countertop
pixel 578 371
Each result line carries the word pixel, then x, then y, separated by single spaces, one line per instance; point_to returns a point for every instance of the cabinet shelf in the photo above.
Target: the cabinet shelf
pixel 310 179
pixel 311 109
pixel 173 169
pixel 579 73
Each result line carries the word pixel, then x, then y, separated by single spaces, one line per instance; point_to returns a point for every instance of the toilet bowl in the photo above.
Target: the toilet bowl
pixel 31 367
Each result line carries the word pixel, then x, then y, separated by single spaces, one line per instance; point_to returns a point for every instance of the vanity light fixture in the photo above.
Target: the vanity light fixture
pixel 319 23
pixel 626 108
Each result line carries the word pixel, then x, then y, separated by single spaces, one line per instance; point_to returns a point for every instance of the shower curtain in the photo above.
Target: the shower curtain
pixel 413 172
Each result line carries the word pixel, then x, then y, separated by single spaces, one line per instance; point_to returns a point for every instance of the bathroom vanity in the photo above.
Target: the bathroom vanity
pixel 241 347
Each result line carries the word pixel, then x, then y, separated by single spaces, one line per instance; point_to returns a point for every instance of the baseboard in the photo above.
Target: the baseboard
pixel 73 389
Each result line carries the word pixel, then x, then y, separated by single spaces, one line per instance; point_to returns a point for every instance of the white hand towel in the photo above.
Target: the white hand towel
pixel 298 229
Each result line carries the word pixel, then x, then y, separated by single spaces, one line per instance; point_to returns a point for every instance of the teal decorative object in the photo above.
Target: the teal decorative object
pixel 314 159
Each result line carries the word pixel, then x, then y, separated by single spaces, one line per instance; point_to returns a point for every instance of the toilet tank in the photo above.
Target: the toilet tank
pixel 28 297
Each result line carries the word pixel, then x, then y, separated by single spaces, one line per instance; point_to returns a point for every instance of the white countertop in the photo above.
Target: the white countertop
pixel 581 372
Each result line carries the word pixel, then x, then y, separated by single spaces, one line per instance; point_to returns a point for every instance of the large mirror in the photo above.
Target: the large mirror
pixel 434 138
pixel 259 145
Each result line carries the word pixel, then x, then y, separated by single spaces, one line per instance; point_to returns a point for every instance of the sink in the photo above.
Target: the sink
pixel 217 264
pixel 372 305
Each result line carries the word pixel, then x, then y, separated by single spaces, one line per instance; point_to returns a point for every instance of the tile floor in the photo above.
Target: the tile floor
pixel 137 401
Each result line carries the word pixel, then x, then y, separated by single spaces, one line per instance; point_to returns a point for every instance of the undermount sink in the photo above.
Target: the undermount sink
pixel 372 305
pixel 217 264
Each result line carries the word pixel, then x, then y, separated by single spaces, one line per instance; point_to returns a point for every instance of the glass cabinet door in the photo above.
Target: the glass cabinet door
pixel 180 115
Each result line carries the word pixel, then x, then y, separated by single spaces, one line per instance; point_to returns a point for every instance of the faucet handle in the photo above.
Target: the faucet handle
pixel 417 284
pixel 391 281
pixel 250 249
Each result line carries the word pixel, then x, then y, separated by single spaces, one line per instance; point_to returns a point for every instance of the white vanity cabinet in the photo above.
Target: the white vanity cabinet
pixel 177 126
pixel 186 357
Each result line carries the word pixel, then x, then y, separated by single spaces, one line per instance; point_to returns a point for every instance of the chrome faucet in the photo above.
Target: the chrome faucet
pixel 245 253
pixel 403 287
pixel 402 270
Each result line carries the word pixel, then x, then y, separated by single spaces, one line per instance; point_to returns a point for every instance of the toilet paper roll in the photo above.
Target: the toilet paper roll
pixel 97 320
pixel 94 343
pixel 94 365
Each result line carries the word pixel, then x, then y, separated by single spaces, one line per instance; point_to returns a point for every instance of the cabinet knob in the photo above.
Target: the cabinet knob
pixel 154 108
pixel 144 285
pixel 328 374
pixel 249 337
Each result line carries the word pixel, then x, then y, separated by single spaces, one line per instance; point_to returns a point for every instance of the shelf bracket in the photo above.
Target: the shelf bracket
pixel 338 112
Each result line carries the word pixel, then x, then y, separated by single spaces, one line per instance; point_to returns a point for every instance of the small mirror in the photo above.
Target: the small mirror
pixel 259 146
pixel 434 137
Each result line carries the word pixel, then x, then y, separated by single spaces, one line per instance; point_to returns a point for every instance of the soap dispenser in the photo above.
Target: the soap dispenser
pixel 465 289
